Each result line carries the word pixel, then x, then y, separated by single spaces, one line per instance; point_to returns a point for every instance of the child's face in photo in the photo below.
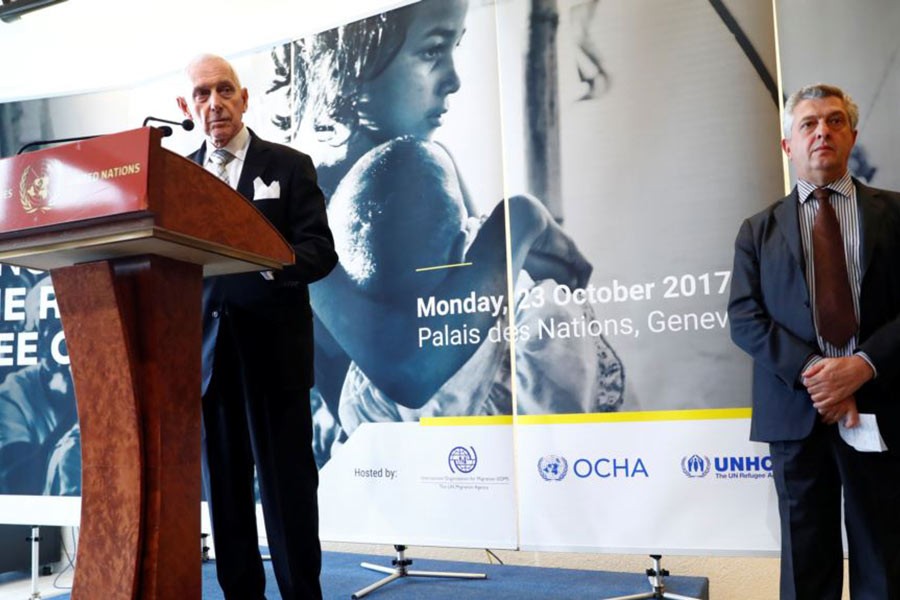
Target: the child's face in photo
pixel 410 96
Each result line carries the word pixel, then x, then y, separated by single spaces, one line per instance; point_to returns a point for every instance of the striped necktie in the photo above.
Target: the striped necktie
pixel 220 158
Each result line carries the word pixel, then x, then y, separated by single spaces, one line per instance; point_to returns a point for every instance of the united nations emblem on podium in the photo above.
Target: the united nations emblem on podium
pixel 34 187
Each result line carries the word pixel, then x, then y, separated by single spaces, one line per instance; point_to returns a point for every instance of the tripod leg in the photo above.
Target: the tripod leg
pixel 447 574
pixel 400 569
pixel 371 588
pixel 379 568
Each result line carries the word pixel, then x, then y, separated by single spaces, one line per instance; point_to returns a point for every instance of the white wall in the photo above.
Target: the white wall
pixel 89 45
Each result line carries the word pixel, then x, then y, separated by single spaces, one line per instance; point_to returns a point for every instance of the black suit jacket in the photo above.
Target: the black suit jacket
pixel 771 317
pixel 281 332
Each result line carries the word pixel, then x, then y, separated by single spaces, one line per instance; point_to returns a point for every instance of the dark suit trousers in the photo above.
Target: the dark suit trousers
pixel 249 420
pixel 809 477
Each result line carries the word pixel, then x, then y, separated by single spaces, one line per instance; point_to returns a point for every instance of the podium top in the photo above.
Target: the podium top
pixel 124 195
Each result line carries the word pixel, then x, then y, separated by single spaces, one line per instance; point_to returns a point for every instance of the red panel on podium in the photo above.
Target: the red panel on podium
pixel 124 195
pixel 102 177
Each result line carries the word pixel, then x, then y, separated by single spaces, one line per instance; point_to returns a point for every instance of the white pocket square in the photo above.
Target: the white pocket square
pixel 261 191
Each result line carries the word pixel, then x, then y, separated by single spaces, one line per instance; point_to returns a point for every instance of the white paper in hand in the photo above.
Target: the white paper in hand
pixel 865 437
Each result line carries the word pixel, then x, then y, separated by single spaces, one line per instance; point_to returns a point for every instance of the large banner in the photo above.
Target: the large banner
pixel 666 114
pixel 40 447
pixel 534 201
pixel 401 113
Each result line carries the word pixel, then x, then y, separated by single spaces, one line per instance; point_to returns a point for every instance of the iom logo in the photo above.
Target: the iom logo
pixel 462 460
pixel 553 468
pixel 695 465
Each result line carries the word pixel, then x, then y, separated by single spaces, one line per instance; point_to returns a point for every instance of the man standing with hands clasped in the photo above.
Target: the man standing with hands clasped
pixel 815 300
pixel 258 354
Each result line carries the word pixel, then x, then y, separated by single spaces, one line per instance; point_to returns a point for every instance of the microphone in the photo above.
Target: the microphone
pixel 187 125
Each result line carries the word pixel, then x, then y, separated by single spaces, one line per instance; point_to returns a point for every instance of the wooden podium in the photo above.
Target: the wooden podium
pixel 127 230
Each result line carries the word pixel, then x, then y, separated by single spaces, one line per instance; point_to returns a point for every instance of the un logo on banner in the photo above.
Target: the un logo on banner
pixel 462 459
pixel 553 468
pixel 695 465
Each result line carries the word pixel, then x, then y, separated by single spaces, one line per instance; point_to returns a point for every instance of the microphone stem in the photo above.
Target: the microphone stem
pixel 48 142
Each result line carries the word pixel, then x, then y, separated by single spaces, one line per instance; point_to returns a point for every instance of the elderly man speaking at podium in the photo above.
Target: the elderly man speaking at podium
pixel 258 353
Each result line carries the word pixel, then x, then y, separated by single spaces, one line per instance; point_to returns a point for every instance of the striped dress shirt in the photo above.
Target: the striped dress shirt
pixel 843 199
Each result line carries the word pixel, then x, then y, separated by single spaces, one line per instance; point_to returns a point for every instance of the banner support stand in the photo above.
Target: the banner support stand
pixel 400 570
pixel 656 574
pixel 35 540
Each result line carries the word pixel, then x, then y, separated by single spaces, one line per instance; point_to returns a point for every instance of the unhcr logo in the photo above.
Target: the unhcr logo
pixel 695 465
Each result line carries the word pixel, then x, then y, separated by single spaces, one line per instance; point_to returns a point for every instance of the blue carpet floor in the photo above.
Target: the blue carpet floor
pixel 342 576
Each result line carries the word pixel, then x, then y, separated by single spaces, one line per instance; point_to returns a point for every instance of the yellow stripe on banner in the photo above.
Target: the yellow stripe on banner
pixel 708 414
pixel 438 267
pixel 638 416
pixel 457 421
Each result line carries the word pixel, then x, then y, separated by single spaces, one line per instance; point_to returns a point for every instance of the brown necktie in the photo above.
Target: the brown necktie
pixel 835 317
